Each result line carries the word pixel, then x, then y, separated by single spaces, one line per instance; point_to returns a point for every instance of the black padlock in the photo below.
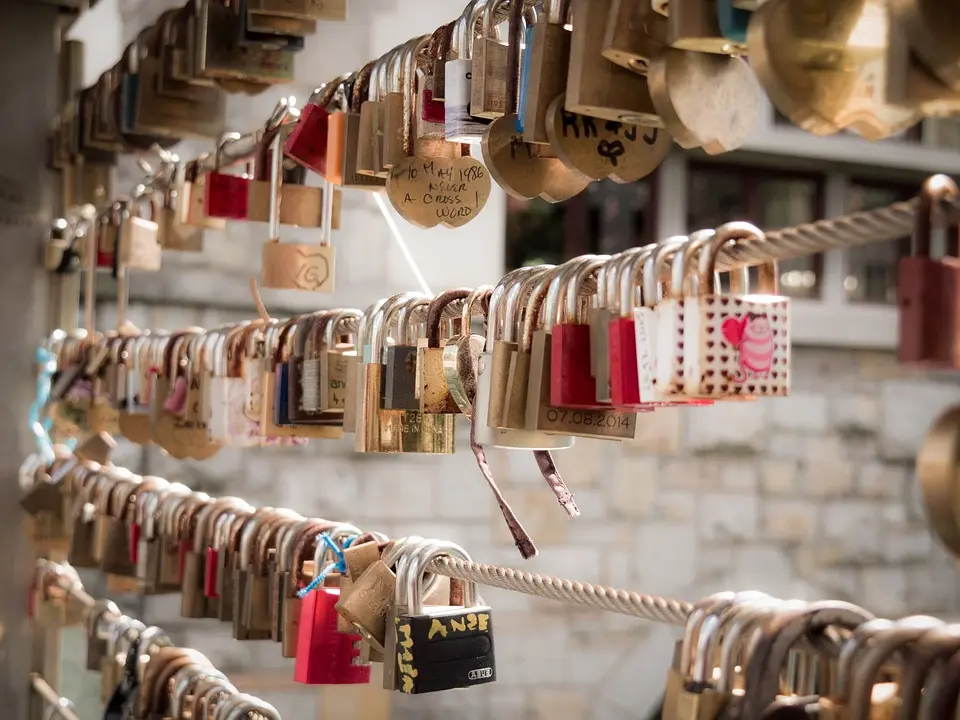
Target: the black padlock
pixel 399 386
pixel 442 647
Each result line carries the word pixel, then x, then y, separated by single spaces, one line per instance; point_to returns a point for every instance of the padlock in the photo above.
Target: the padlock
pixel 370 126
pixel 191 199
pixel 299 205
pixel 375 590
pixel 459 123
pixel 288 581
pixel 339 108
pixel 929 318
pixel 399 387
pixel 624 373
pixel 307 142
pixel 346 133
pixel 82 536
pixel 196 583
pixel 101 613
pixel 333 367
pixel 288 266
pixel 251 585
pixel 695 25
pixel 380 430
pixel 572 384
pixel 461 353
pixel 634 34
pixel 430 114
pixel 493 367
pixel 736 345
pixel 364 550
pixel 105 236
pixel 225 196
pixel 394 111
pixel 525 170
pixel 303 394
pixel 114 553
pixel 432 390
pixel 354 376
pixel 545 62
pixel 595 86
pixel 660 325
pixel 138 247
pixel 488 87
pixel 229 420
pixel 461 635
pixel 324 655
pixel 535 349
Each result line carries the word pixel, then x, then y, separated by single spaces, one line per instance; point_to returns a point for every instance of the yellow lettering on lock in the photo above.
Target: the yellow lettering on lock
pixel 437 628
pixel 459 625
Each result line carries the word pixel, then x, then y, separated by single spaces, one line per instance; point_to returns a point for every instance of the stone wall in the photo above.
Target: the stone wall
pixel 811 496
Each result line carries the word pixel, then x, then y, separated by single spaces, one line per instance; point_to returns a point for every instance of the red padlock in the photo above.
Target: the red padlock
pixel 929 290
pixel 622 298
pixel 324 655
pixel 307 142
pixel 210 574
pixel 135 532
pixel 226 196
pixel 107 234
pixel 571 383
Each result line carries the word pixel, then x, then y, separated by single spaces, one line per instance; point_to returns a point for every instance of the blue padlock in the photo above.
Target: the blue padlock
pixel 524 75
pixel 733 21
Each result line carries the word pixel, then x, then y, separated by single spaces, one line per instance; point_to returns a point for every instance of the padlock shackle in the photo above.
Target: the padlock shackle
pixel 382 320
pixel 405 330
pixel 422 556
pixel 283 519
pixel 653 267
pixel 496 311
pixel 575 280
pixel 251 527
pixel 288 543
pixel 627 279
pixel 533 318
pixel 707 630
pixel 185 680
pixel 339 319
pixel 321 554
pixel 435 313
pixel 472 306
pixel 465 29
pixel 207 518
pixel 518 292
pixel 737 630
pixel 361 87
pixel 553 301
pixel 684 280
pixel 933 192
pixel 769 282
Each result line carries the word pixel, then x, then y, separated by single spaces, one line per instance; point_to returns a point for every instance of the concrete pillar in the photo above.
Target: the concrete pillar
pixel 28 86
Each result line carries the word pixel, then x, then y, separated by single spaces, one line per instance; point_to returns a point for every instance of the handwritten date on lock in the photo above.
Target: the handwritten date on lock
pixel 586 127
pixel 446 190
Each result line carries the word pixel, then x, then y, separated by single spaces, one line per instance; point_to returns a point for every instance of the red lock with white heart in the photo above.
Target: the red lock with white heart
pixel 736 345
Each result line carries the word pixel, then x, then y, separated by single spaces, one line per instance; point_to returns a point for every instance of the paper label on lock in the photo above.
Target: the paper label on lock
pixel 645 324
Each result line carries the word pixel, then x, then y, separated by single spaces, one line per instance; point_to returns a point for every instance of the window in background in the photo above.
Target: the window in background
pixel 872 269
pixel 768 198
pixel 606 218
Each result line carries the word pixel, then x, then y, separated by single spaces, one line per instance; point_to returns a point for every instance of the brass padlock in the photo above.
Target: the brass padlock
pixel 635 33
pixel 138 247
pixel 595 86
pixel 288 266
pixel 488 92
pixel 402 74
pixel 549 59
pixel 434 393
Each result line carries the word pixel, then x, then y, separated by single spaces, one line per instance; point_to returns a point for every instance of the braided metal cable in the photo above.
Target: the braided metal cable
pixel 881 225
pixel 646 607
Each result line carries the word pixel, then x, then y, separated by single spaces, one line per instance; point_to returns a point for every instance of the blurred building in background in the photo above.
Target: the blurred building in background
pixel 808 496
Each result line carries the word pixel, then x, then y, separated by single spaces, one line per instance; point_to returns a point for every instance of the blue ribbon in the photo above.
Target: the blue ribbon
pixel 41 427
pixel 339 566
